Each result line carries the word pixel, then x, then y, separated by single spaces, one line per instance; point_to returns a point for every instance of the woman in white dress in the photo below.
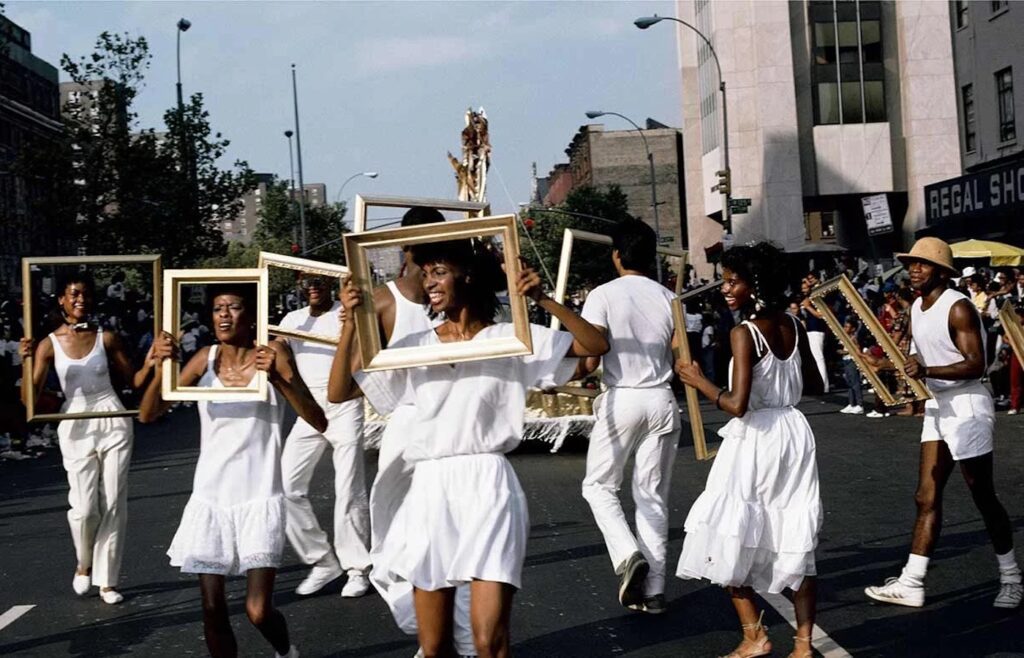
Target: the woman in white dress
pixel 465 518
pixel 755 526
pixel 234 522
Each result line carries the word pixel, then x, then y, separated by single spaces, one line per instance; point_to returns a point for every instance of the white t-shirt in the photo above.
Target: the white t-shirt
pixel 474 407
pixel 693 322
pixel 116 291
pixel 707 337
pixel 314 359
pixel 637 312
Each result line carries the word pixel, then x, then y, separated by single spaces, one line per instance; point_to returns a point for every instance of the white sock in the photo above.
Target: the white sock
pixel 915 571
pixel 1009 572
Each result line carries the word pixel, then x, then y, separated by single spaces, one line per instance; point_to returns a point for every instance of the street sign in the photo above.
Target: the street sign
pixel 876 214
pixel 739 206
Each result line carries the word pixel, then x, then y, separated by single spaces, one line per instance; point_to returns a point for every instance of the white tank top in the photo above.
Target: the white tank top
pixel 410 317
pixel 86 381
pixel 931 339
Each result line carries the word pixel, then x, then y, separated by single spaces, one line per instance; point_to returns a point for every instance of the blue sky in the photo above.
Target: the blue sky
pixel 384 85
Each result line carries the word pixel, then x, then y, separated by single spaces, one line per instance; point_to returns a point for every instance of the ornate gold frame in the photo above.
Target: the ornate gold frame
pixel 363 203
pixel 682 351
pixel 173 280
pixel 376 358
pixel 306 266
pixel 1013 329
pixel 912 389
pixel 26 285
pixel 569 238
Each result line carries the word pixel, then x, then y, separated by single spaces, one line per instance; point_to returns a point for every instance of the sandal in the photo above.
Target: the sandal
pixel 759 647
pixel 806 654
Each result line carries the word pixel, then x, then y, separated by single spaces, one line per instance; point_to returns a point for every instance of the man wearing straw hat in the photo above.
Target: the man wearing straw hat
pixel 948 351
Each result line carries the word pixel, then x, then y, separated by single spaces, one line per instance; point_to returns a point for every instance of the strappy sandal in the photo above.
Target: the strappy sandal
pixel 759 647
pixel 805 654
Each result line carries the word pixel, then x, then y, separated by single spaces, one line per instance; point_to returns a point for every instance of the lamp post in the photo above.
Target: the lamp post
pixel 298 156
pixel 726 189
pixel 368 174
pixel 187 169
pixel 654 187
pixel 291 164
pixel 183 25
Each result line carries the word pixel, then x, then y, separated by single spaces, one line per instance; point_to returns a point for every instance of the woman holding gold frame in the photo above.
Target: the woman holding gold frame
pixel 234 521
pixel 464 491
pixel 755 526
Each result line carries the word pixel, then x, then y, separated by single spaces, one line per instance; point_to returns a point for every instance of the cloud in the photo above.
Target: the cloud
pixel 396 54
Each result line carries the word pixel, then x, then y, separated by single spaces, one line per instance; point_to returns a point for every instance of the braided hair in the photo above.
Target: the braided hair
pixel 762 266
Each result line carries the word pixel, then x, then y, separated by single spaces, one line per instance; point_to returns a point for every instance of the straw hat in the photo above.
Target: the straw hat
pixel 931 250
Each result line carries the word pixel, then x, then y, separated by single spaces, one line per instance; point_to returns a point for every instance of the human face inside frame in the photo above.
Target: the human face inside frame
pixel 326 272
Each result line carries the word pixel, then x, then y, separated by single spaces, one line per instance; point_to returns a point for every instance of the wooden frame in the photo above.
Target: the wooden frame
pixel 569 238
pixel 1013 329
pixel 173 281
pixel 306 266
pixel 682 351
pixel 363 203
pixel 909 389
pixel 376 358
pixel 26 284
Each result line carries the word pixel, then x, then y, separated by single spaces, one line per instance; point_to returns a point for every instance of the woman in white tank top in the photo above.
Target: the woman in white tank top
pixel 96 452
pixel 234 521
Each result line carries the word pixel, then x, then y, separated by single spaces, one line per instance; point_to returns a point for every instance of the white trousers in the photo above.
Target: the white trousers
pixel 302 450
pixel 816 341
pixel 96 455
pixel 644 422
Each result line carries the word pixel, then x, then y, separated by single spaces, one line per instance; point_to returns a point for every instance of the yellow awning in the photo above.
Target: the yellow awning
pixel 1000 254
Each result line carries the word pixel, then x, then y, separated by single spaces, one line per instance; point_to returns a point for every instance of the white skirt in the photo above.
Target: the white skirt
pixel 756 524
pixel 229 540
pixel 465 519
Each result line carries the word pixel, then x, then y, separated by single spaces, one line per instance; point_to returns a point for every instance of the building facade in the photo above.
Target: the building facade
pixel 243 226
pixel 830 103
pixel 987 201
pixel 29 110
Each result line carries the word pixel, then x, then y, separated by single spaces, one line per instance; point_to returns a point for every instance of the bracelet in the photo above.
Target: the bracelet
pixel 718 400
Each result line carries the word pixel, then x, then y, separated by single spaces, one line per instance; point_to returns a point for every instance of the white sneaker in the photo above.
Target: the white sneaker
pixel 846 409
pixel 111 596
pixel 293 652
pixel 1010 595
pixel 856 409
pixel 358 584
pixel 319 576
pixel 897 592
pixel 875 414
pixel 1011 412
pixel 81 584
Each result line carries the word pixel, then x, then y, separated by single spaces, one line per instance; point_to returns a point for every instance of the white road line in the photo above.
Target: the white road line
pixel 825 645
pixel 13 614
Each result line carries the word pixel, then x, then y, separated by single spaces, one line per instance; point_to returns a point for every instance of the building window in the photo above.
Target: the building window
pixel 707 80
pixel 960 9
pixel 999 5
pixel 847 70
pixel 1004 100
pixel 967 98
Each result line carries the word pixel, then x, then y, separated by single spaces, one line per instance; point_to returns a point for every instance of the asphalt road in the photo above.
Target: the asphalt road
pixel 567 607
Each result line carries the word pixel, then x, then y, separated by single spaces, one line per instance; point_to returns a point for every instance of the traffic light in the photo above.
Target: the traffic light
pixel 724 185
pixel 528 223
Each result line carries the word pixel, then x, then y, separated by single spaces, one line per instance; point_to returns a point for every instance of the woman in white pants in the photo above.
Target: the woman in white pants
pixel 465 515
pixel 96 452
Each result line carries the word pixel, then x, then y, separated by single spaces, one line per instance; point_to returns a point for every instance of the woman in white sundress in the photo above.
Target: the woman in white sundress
pixel 234 521
pixel 755 526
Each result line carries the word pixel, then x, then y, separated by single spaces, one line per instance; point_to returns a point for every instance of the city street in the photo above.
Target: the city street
pixel 567 606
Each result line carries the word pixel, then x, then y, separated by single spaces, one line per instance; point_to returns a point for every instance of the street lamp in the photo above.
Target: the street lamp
pixel 291 164
pixel 183 25
pixel 298 156
pixel 593 114
pixel 368 174
pixel 184 152
pixel 724 177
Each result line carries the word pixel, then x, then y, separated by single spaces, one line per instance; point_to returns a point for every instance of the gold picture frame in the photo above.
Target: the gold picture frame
pixel 682 351
pixel 569 238
pixel 908 389
pixel 27 264
pixel 306 266
pixel 472 209
pixel 173 281
pixel 1013 329
pixel 374 357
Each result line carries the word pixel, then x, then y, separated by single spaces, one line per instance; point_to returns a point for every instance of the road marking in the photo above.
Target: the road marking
pixel 13 614
pixel 825 645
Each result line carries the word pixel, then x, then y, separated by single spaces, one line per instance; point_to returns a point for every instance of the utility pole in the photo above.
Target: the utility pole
pixel 298 156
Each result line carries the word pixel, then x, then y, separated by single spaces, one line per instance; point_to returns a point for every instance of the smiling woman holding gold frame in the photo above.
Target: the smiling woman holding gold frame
pixel 307 268
pixel 472 209
pixel 199 282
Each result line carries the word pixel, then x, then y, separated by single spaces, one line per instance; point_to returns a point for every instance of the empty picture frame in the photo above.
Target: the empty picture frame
pixel 150 262
pixel 364 203
pixel 305 266
pixel 569 238
pixel 357 246
pixel 174 282
pixel 1013 329
pixel 682 351
pixel 907 389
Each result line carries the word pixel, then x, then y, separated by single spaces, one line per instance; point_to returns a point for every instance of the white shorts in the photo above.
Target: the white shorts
pixel 964 418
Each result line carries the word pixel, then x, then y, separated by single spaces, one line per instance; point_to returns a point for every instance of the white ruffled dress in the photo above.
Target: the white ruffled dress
pixel 756 523
pixel 234 520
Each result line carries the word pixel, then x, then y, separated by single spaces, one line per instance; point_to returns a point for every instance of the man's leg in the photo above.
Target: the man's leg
pixel 351 503
pixel 977 472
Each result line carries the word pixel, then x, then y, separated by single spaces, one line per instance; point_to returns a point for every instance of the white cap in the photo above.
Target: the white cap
pixel 969 271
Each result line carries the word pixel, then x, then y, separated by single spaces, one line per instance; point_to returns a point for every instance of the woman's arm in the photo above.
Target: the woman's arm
pixel 276 360
pixel 732 401
pixel 120 365
pixel 587 340
pixel 152 405
pixel 40 367
pixel 340 385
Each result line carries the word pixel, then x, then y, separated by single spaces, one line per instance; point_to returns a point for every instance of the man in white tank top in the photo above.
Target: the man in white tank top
pixel 304 447
pixel 637 415
pixel 948 351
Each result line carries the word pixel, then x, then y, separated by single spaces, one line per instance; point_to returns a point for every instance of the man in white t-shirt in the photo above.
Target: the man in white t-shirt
pixel 304 447
pixel 636 415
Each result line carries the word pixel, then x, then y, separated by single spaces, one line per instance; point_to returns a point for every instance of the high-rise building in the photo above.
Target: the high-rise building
pixel 29 111
pixel 243 226
pixel 988 200
pixel 840 113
